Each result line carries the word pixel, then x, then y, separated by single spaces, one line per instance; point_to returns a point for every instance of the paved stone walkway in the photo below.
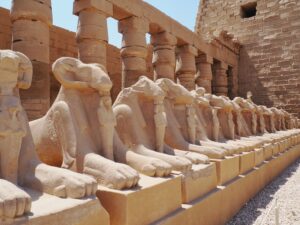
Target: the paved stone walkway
pixel 285 190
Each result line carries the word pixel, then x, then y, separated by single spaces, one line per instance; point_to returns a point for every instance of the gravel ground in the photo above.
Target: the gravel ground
pixel 261 209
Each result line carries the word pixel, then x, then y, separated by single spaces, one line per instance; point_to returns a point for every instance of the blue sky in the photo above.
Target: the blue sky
pixel 184 11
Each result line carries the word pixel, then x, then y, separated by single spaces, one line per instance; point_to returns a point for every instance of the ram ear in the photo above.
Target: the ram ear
pixel 25 71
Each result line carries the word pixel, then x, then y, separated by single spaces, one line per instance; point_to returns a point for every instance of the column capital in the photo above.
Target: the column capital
pixel 188 49
pixel 163 38
pixel 99 5
pixel 133 23
pixel 203 58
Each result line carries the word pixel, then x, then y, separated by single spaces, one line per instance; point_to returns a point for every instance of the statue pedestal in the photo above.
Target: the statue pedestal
pixel 205 181
pixel 247 161
pixel 283 145
pixel 50 210
pixel 220 205
pixel 268 151
pixel 259 156
pixel 153 199
pixel 275 148
pixel 227 168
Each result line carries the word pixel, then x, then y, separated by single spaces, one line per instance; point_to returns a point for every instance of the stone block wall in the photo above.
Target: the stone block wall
pixel 62 43
pixel 269 64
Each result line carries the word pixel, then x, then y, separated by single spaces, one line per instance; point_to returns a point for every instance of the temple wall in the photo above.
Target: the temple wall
pixel 62 43
pixel 269 63
pixel 175 52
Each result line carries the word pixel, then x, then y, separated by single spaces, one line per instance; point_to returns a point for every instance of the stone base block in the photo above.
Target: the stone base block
pixel 276 148
pixel 268 151
pixel 50 210
pixel 247 161
pixel 282 146
pixel 219 206
pixel 227 168
pixel 152 199
pixel 259 156
pixel 196 187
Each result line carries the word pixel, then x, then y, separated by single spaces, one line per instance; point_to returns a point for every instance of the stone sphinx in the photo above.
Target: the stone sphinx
pixel 256 121
pixel 182 123
pixel 280 123
pixel 225 129
pixel 249 112
pixel 208 124
pixel 261 122
pixel 233 129
pixel 289 120
pixel 246 119
pixel 79 129
pixel 269 119
pixel 278 119
pixel 19 163
pixel 142 122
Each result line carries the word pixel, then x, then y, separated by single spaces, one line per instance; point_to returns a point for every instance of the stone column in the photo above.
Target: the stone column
pixel 164 60
pixel 186 66
pixel 31 22
pixel 134 49
pixel 92 34
pixel 204 72
pixel 221 82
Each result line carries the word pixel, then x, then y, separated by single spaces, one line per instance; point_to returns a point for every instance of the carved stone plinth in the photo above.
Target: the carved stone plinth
pixel 152 200
pixel 259 156
pixel 275 149
pixel 283 145
pixel 193 188
pixel 227 168
pixel 247 161
pixel 48 209
pixel 232 196
pixel 268 151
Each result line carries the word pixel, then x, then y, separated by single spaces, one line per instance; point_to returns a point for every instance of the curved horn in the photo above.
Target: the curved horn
pixel 25 71
pixel 62 67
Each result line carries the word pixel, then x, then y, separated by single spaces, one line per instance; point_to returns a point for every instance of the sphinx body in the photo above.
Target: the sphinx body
pixel 181 124
pixel 245 119
pixel 77 132
pixel 257 123
pixel 208 124
pixel 19 163
pixel 254 120
pixel 142 121
pixel 229 124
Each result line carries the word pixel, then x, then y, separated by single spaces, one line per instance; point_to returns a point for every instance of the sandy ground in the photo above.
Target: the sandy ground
pixel 284 192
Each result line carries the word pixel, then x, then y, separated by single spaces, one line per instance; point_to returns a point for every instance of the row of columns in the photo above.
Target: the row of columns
pixel 168 59
pixel 32 21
